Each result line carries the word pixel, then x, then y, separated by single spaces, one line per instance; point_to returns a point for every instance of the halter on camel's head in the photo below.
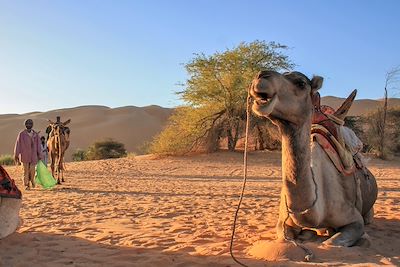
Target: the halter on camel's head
pixel 288 97
pixel 58 128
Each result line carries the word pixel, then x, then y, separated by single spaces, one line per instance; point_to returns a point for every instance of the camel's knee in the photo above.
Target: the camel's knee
pixel 369 216
pixel 285 231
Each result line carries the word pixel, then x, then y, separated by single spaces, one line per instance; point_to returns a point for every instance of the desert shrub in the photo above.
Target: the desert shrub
pixel 373 133
pixel 106 149
pixel 131 155
pixel 183 133
pixel 144 148
pixel 79 155
pixel 266 134
pixel 356 124
pixel 6 160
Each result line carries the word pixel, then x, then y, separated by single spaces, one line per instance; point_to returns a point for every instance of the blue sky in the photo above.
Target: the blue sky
pixel 58 54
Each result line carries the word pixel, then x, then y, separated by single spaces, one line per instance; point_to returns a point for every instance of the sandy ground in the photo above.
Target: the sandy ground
pixel 177 212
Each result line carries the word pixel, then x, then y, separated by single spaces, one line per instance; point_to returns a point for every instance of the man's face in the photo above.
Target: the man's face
pixel 29 125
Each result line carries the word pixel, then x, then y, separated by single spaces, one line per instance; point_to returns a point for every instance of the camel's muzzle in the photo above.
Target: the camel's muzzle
pixel 264 106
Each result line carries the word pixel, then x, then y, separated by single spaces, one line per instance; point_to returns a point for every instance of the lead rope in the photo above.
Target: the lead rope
pixel 248 101
pixel 309 254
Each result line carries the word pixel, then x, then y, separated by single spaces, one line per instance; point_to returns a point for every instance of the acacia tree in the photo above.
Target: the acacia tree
pixel 215 96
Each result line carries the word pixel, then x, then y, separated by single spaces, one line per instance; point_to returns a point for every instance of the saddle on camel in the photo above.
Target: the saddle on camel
pixel 10 204
pixel 339 142
pixel 7 186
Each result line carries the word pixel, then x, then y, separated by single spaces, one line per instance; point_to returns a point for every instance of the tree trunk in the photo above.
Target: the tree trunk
pixel 260 138
pixel 382 136
pixel 233 136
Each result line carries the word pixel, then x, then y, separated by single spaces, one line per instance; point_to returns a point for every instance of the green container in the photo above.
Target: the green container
pixel 44 177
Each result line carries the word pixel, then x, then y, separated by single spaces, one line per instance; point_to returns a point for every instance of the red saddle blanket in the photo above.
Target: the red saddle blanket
pixel 8 187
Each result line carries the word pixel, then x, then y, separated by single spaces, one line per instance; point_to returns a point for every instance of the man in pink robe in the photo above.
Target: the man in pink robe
pixel 28 151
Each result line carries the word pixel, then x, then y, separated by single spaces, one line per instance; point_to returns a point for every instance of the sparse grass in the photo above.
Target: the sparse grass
pixel 79 155
pixel 6 160
pixel 131 155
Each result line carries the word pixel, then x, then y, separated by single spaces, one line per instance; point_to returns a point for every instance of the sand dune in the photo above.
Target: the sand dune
pixel 177 212
pixel 360 106
pixel 131 125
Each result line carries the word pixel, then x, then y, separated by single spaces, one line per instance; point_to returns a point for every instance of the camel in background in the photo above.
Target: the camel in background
pixel 58 143
pixel 316 194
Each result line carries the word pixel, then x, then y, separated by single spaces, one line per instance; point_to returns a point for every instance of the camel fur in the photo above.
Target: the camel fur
pixel 58 143
pixel 9 215
pixel 315 195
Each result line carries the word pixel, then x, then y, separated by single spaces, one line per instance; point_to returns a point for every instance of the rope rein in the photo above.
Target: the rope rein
pixel 309 254
pixel 248 102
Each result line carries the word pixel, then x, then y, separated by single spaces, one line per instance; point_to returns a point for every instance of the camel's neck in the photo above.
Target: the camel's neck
pixel 296 160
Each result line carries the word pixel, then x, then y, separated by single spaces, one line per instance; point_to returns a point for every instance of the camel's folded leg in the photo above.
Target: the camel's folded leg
pixel 347 235
pixel 9 215
pixel 369 216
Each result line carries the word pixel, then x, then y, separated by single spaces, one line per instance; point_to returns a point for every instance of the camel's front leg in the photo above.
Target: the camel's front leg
pixel 286 229
pixel 62 167
pixel 52 166
pixel 347 235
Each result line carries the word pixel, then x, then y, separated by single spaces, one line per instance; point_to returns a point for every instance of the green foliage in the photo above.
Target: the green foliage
pixel 131 155
pixel 105 150
pixel 183 132
pixel 6 160
pixel 215 97
pixel 79 155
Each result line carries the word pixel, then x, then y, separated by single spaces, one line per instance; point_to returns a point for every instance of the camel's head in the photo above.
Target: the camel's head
pixel 58 127
pixel 284 97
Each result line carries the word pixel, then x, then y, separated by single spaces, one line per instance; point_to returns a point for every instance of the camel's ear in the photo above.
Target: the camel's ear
pixel 66 122
pixel 316 83
pixel 344 108
pixel 50 121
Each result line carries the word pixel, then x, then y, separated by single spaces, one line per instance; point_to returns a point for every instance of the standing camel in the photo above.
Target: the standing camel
pixel 315 194
pixel 58 143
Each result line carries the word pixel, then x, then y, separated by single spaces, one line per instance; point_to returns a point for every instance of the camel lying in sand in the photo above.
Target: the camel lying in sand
pixel 315 194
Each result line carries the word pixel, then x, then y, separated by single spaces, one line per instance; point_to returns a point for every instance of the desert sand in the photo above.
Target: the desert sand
pixel 178 211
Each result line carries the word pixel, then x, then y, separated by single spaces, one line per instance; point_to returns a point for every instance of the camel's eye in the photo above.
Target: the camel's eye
pixel 300 83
